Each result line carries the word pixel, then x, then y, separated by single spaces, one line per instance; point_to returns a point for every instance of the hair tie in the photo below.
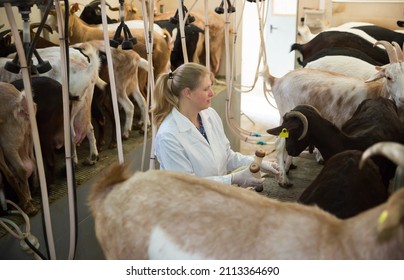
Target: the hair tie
pixel 170 75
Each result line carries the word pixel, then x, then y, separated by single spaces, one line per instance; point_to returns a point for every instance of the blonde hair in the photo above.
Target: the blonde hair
pixel 169 86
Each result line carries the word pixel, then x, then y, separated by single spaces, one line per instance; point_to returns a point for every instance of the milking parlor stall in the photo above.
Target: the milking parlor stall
pixel 316 86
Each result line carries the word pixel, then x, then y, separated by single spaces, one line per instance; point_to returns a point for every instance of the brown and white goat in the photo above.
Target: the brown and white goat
pixel 79 31
pixel 336 96
pixel 16 145
pixel 165 215
pixel 126 64
pixel 84 66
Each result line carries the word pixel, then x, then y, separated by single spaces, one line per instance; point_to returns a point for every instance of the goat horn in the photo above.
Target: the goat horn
pixel 391 52
pixel 112 8
pixel 302 118
pixel 313 108
pixel 400 54
pixel 392 150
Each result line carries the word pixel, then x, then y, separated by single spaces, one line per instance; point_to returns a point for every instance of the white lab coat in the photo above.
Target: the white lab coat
pixel 179 146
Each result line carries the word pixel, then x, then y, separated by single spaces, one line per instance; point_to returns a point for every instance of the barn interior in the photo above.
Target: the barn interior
pixel 63 227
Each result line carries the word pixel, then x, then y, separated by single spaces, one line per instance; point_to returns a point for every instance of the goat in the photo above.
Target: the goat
pixel 7 47
pixel 339 51
pixel 91 13
pixel 47 95
pixel 166 221
pixel 346 65
pixel 81 32
pixel 305 33
pixel 84 67
pixel 16 145
pixel 380 33
pixel 336 96
pixel 343 189
pixel 126 64
pixel 331 39
pixel 194 37
pixel 216 34
pixel 373 121
pixel 394 152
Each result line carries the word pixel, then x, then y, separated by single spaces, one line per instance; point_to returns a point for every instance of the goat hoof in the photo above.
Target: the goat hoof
pixel 285 185
pixel 259 188
pixel 92 161
pixel 292 166
pixel 30 209
pixel 112 145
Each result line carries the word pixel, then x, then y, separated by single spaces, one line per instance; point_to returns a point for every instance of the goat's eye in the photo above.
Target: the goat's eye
pixel 388 78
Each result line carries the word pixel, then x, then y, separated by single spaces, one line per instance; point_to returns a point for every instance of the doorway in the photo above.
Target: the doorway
pixel 256 113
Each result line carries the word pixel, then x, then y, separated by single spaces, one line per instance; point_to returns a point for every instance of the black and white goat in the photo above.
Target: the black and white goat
pixel 336 96
pixel 84 67
pixel 332 39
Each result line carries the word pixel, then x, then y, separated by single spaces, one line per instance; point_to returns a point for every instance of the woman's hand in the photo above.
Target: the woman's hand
pixel 245 178
pixel 270 167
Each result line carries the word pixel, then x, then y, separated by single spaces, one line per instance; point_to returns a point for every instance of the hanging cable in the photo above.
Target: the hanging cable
pixel 207 37
pixel 26 238
pixel 112 83
pixel 148 19
pixel 70 173
pixel 244 135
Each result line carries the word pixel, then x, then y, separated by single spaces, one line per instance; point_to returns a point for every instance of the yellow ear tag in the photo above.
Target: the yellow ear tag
pixel 284 133
pixel 383 217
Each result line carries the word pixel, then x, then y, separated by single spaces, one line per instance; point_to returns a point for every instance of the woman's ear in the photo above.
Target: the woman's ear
pixel 186 92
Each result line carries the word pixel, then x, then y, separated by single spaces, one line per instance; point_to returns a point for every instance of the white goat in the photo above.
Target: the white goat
pixel 166 215
pixel 84 66
pixel 306 35
pixel 346 65
pixel 336 96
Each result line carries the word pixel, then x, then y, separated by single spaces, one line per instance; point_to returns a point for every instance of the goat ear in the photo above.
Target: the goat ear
pixel 275 131
pixel 289 125
pixel 393 214
pixel 380 74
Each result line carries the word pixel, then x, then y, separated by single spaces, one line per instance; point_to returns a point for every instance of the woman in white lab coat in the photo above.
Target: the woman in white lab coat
pixel 190 136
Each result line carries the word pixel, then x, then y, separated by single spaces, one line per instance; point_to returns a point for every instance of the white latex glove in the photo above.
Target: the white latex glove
pixel 270 167
pixel 245 178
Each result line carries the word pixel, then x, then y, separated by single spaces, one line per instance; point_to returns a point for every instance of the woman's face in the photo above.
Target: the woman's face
pixel 201 97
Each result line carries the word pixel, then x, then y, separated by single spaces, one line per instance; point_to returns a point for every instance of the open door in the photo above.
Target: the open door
pixel 280 32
